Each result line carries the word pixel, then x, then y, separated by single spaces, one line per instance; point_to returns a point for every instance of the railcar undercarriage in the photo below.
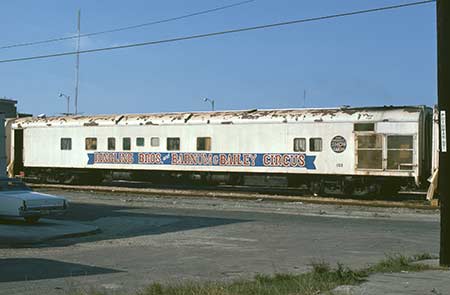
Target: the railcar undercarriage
pixel 314 183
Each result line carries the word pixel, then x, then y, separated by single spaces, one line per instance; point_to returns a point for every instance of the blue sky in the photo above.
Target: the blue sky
pixel 373 59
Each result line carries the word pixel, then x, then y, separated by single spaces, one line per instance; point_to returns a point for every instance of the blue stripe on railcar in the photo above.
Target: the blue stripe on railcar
pixel 286 160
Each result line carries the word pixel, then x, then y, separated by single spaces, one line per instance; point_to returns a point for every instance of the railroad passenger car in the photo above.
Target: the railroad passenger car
pixel 336 150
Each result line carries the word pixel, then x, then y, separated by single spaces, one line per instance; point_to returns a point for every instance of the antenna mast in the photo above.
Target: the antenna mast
pixel 304 98
pixel 77 63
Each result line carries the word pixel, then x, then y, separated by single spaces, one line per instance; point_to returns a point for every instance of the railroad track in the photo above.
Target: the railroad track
pixel 410 200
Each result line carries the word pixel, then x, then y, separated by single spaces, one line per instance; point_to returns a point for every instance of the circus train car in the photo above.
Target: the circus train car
pixel 338 150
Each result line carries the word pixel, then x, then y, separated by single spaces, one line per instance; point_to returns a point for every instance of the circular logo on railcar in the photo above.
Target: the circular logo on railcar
pixel 338 144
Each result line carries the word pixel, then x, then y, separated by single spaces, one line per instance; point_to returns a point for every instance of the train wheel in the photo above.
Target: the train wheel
pixel 360 190
pixel 31 219
pixel 68 179
pixel 316 188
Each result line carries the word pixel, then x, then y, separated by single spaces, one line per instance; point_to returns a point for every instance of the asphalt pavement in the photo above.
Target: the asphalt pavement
pixel 147 239
pixel 15 233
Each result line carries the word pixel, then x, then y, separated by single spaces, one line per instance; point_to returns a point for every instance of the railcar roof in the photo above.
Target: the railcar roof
pixel 363 114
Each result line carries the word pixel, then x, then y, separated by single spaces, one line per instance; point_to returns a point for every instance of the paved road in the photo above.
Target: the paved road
pixel 146 239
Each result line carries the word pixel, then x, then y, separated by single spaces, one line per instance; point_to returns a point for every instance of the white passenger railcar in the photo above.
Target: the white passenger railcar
pixel 340 149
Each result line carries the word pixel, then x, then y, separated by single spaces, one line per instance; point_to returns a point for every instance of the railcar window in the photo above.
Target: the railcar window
pixel 66 144
pixel 126 143
pixel 364 127
pixel 370 141
pixel 299 144
pixel 90 143
pixel 370 151
pixel 154 141
pixel 315 144
pixel 140 141
pixel 111 144
pixel 173 143
pixel 203 143
pixel 400 152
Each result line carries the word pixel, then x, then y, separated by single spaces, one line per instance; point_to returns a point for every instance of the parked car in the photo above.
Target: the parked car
pixel 18 200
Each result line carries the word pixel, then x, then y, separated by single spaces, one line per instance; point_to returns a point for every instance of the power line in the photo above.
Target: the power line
pixel 58 39
pixel 314 19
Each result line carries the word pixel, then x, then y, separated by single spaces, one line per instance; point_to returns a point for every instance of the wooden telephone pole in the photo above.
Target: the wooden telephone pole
pixel 443 36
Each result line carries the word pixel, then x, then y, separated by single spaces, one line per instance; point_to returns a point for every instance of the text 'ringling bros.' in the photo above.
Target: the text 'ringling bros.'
pixel 288 160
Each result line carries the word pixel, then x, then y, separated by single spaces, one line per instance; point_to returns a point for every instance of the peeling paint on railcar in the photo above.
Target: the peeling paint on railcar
pixel 224 117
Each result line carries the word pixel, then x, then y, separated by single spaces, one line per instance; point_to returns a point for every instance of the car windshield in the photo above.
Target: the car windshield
pixel 13 185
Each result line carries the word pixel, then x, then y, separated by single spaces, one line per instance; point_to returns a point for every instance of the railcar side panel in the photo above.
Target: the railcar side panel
pixel 379 142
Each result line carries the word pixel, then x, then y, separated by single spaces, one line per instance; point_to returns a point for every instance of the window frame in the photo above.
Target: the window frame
pixel 173 139
pixel 113 141
pixel 137 141
pixel 366 124
pixel 294 144
pixel 62 146
pixel 410 165
pixel 380 149
pixel 207 143
pixel 155 138
pixel 311 145
pixel 94 143
pixel 123 143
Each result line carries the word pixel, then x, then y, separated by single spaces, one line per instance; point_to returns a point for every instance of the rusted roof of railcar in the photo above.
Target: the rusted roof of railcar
pixel 381 113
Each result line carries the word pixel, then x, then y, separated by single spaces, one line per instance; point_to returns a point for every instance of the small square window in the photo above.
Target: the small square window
pixel 111 144
pixel 364 127
pixel 140 141
pixel 173 143
pixel 203 143
pixel 315 144
pixel 66 144
pixel 126 143
pixel 91 143
pixel 154 141
pixel 299 144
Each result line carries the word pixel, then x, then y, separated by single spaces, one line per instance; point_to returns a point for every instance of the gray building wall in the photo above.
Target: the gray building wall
pixel 2 147
pixel 8 107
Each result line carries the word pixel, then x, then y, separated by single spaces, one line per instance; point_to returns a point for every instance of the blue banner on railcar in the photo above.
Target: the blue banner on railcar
pixel 205 159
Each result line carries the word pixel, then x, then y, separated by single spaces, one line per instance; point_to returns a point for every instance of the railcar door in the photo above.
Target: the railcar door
pixel 18 151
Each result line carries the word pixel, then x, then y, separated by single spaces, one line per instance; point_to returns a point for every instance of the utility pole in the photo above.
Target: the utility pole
pixel 443 46
pixel 77 63
pixel 304 98
pixel 212 102
pixel 68 102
